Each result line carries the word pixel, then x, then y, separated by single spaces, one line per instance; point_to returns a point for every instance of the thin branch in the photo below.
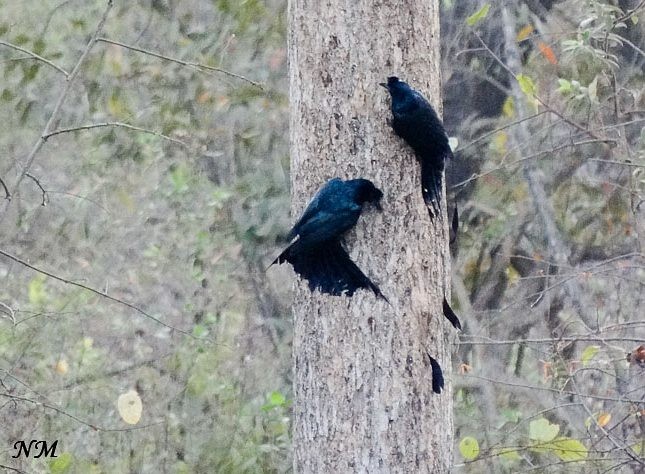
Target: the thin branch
pixel 548 389
pixel 95 291
pixel 530 157
pixel 182 62
pixel 500 129
pixel 486 341
pixel 35 56
pixel 35 180
pixel 7 194
pixel 61 99
pixel 538 98
pixel 4 466
pixel 8 310
pixel 74 417
pixel 614 162
pixel 114 124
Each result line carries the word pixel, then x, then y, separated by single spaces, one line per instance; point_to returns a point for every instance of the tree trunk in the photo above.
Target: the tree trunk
pixel 362 379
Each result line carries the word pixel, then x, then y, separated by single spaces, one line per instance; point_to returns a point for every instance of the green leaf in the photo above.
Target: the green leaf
pixel 588 354
pixel 61 464
pixel 634 19
pixel 469 448
pixel 568 449
pixel 542 430
pixel 527 85
pixel 479 15
pixel 277 399
pixel 565 86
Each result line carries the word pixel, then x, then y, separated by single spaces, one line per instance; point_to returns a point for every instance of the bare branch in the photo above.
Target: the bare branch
pixel 73 417
pixel 8 310
pixel 96 292
pixel 539 99
pixel 7 194
pixel 182 62
pixel 530 157
pixel 486 341
pixel 34 56
pixel 114 124
pixel 547 389
pixel 61 99
pixel 35 180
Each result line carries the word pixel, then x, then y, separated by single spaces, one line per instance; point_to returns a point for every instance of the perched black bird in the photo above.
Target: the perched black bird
pixel 437 375
pixel 418 124
pixel 315 250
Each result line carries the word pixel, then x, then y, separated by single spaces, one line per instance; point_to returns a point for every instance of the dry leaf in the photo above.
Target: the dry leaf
pixel 130 407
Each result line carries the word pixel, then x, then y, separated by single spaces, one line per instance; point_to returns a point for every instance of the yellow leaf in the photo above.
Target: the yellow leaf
pixel 469 448
pixel 61 367
pixel 524 33
pixel 499 142
pixel 526 84
pixel 130 407
pixel 603 419
pixel 508 109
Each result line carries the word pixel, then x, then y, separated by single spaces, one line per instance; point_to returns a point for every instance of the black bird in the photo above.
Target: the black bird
pixel 315 249
pixel 419 125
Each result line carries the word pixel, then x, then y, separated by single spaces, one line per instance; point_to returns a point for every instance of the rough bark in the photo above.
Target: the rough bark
pixel 362 380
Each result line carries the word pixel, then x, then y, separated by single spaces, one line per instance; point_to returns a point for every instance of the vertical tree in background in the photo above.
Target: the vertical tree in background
pixel 362 378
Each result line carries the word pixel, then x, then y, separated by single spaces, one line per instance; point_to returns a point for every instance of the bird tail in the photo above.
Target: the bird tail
pixel 450 314
pixel 431 180
pixel 329 269
pixel 437 375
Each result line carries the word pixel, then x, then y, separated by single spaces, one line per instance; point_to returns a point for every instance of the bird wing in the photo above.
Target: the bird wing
pixel 319 201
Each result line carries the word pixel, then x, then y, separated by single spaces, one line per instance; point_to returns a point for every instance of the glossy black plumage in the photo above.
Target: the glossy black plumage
pixel 316 252
pixel 418 124
pixel 450 315
pixel 437 375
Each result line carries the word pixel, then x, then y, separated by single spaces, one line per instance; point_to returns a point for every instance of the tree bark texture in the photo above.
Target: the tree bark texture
pixel 362 379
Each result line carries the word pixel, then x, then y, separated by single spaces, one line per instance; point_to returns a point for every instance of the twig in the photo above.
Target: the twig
pixel 497 130
pixel 180 61
pixel 114 124
pixel 61 99
pixel 530 157
pixel 35 180
pixel 35 56
pixel 486 341
pixel 615 162
pixel 4 466
pixel 74 417
pixel 95 291
pixel 7 194
pixel 9 311
pixel 537 97
pixel 548 389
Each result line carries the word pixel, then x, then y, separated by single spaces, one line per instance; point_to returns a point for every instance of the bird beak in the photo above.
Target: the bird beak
pixel 378 206
pixel 383 84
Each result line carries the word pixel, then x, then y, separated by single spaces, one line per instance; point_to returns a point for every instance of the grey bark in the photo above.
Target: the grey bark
pixel 362 379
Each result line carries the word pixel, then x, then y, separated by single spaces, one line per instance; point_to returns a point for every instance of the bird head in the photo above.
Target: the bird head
pixel 398 89
pixel 365 191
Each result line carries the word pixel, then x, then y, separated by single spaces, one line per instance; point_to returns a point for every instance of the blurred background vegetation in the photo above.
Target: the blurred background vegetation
pixel 171 194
